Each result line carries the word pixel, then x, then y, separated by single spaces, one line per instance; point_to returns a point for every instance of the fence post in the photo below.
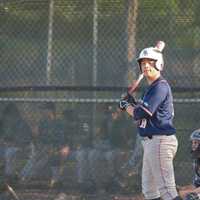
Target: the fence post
pixel 49 47
pixel 95 62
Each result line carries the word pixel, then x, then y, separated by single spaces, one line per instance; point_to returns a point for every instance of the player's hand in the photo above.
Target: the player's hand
pixel 183 191
pixel 123 104
pixel 130 99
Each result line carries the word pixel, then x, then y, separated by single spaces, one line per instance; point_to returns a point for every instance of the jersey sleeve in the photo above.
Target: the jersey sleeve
pixel 151 101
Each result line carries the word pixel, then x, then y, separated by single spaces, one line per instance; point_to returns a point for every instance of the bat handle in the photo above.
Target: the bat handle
pixel 141 76
pixel 136 84
pixel 134 87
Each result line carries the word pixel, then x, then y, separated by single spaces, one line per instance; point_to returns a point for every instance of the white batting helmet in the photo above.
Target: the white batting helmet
pixel 154 53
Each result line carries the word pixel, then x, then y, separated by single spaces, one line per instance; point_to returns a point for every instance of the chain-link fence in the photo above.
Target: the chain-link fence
pixel 63 67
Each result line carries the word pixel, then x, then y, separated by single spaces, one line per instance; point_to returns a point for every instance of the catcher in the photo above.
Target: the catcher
pixel 192 192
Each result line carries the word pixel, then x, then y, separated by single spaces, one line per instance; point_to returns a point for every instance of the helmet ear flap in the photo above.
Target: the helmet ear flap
pixel 159 64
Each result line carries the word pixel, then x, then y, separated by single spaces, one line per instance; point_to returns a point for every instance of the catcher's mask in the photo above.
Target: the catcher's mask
pixel 195 139
pixel 153 53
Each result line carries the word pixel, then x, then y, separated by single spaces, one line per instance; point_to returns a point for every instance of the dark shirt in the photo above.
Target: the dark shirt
pixel 121 132
pixel 51 132
pixel 155 110
pixel 16 132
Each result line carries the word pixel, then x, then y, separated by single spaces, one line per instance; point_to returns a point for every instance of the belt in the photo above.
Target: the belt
pixel 147 137
pixel 151 136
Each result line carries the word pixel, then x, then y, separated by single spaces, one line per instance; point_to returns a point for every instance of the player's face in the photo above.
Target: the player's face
pixel 148 68
pixel 195 144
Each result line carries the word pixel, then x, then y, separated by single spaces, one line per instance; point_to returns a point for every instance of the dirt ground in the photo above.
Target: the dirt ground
pixel 55 195
pixel 50 194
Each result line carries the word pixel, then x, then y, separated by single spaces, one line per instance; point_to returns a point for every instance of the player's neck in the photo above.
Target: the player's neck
pixel 151 79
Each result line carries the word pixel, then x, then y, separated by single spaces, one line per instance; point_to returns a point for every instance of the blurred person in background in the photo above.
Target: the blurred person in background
pixel 70 125
pixel 120 133
pixel 97 164
pixel 51 147
pixel 92 171
pixel 154 114
pixel 121 138
pixel 15 137
pixel 192 192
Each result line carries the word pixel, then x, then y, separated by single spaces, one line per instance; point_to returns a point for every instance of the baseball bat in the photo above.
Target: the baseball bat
pixel 135 84
pixel 132 88
pixel 12 192
pixel 160 45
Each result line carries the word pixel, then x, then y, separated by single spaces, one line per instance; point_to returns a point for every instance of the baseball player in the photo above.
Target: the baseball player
pixel 154 113
pixel 192 192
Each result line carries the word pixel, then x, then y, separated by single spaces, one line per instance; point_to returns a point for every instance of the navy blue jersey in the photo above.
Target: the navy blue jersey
pixel 155 111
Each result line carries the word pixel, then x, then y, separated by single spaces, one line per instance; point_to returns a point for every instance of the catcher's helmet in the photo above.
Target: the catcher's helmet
pixel 195 136
pixel 153 53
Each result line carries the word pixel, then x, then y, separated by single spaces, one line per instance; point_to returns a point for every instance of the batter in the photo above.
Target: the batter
pixel 154 114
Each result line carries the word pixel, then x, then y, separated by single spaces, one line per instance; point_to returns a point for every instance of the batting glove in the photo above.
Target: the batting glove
pixel 123 104
pixel 130 99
